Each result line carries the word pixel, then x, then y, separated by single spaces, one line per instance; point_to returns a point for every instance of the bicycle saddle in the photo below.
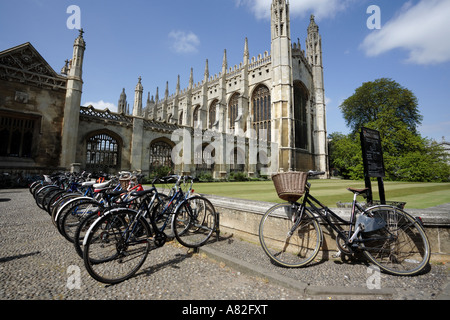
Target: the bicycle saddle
pixel 88 183
pixel 142 193
pixel 358 191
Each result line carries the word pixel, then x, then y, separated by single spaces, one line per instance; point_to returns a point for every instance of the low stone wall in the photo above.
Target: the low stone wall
pixel 242 217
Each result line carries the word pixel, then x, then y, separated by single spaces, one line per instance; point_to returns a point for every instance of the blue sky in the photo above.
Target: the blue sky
pixel 159 40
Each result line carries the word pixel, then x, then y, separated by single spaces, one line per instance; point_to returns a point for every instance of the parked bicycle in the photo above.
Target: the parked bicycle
pixel 117 244
pixel 291 235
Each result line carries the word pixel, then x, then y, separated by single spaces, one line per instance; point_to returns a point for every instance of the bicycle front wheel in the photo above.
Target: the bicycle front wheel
pixel 194 222
pixel 288 241
pixel 116 246
pixel 401 247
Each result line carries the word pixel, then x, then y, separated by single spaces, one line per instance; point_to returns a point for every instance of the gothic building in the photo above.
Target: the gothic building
pixel 263 115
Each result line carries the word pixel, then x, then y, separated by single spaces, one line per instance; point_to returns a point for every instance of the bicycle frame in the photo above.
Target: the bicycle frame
pixel 325 213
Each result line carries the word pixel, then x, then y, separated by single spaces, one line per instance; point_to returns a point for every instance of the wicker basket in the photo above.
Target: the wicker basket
pixel 290 186
pixel 124 183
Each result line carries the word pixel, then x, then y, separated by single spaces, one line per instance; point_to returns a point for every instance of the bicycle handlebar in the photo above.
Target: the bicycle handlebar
pixel 312 173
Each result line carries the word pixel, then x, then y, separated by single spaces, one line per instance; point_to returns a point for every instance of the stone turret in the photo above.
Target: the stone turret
pixel 314 56
pixel 72 104
pixel 137 107
pixel 122 104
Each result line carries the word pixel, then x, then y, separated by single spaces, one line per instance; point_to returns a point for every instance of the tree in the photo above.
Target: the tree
pixel 382 99
pixel 345 155
pixel 392 110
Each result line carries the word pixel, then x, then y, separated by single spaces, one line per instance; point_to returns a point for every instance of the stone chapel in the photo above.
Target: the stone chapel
pixel 266 114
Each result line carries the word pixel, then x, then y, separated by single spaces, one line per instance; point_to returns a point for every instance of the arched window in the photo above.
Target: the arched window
pixel 196 116
pixel 102 153
pixel 212 114
pixel 180 118
pixel 261 112
pixel 300 116
pixel 233 109
pixel 160 155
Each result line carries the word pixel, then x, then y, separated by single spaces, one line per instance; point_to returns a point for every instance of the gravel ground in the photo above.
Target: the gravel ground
pixel 37 263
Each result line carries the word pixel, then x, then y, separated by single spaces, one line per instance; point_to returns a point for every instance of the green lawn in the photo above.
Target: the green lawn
pixel 416 195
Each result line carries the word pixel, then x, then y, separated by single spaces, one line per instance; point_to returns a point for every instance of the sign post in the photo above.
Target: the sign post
pixel 373 161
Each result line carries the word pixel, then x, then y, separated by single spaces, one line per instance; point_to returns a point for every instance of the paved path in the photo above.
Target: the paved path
pixel 37 263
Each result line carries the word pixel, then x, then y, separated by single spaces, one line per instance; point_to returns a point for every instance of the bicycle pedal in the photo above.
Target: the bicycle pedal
pixel 337 254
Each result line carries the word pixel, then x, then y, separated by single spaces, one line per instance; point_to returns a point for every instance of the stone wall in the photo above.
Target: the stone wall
pixel 46 108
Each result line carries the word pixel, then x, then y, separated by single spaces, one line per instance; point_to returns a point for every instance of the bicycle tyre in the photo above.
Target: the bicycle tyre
pixel 48 197
pixel 57 205
pixel 113 253
pixel 194 222
pixel 42 192
pixel 51 201
pixel 82 229
pixel 301 247
pixel 401 247
pixel 75 215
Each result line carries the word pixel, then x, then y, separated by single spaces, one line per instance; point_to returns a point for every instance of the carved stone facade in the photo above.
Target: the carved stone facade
pixel 265 114
pixel 32 97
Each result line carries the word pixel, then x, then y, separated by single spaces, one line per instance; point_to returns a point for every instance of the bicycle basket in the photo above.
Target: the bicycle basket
pixel 290 186
pixel 124 183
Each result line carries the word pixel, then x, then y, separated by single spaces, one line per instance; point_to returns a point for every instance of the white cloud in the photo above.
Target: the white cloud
pixel 422 29
pixel 102 105
pixel 184 42
pixel 320 8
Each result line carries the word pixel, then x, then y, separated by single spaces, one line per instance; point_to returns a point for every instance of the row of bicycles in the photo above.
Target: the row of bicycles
pixel 113 222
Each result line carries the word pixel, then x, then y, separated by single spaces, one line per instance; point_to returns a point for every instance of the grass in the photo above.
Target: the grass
pixel 329 192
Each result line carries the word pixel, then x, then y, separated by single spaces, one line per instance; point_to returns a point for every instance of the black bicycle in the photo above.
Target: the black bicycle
pixel 291 235
pixel 117 244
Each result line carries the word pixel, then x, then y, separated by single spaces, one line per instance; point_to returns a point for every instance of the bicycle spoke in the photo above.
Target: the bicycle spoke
pixel 401 247
pixel 115 250
pixel 300 243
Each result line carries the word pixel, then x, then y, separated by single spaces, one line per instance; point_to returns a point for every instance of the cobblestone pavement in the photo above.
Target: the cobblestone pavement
pixel 37 263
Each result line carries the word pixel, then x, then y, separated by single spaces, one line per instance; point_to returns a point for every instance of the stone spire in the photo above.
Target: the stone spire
pixel 155 106
pixel 73 103
pixel 314 43
pixel 165 104
pixel 206 75
pixel 122 104
pixel 224 63
pixel 137 107
pixel 246 52
pixel 314 57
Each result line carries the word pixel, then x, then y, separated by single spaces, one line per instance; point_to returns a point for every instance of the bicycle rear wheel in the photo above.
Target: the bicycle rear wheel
pixel 194 222
pixel 401 247
pixel 288 242
pixel 116 246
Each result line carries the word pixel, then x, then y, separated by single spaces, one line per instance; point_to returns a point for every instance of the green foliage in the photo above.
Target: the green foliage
pixel 160 171
pixel 382 99
pixel 346 156
pixel 392 110
pixel 238 176
pixel 205 177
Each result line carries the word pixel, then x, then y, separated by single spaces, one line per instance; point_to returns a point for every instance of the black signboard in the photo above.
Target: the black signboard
pixel 373 161
pixel 372 153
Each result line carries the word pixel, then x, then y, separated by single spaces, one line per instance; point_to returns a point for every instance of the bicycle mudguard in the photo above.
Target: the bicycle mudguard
pixel 70 202
pixel 369 224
